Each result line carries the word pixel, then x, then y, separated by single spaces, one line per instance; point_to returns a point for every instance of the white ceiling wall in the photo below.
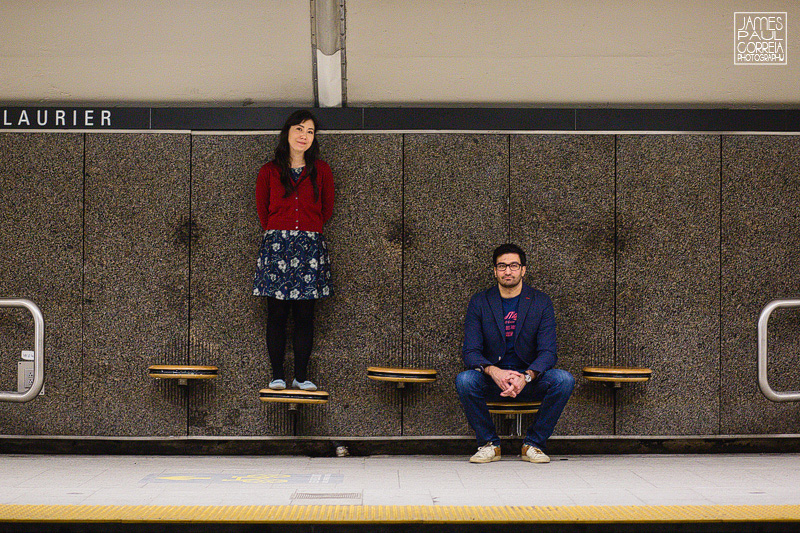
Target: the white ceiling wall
pixel 560 51
pixel 195 52
pixel 410 52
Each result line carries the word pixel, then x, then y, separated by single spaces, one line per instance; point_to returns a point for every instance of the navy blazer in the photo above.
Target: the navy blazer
pixel 485 330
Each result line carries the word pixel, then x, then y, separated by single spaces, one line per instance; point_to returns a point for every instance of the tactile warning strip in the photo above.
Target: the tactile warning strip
pixel 344 514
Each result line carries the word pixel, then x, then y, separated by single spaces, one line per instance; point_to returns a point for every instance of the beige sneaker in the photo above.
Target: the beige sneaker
pixel 533 454
pixel 486 454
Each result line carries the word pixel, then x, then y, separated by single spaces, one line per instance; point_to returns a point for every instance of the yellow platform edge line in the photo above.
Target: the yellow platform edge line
pixel 384 514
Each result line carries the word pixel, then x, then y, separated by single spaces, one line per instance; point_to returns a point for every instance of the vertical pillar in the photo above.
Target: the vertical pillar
pixel 327 39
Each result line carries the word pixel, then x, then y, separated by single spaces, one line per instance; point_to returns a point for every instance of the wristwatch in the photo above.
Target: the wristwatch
pixel 527 376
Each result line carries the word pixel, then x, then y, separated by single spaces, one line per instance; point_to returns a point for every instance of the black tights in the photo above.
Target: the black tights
pixel 302 340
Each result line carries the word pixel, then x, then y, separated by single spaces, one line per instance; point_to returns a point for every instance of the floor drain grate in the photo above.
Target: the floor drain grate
pixel 326 496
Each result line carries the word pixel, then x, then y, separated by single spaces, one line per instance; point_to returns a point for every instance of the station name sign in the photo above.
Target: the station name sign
pixel 94 118
pixel 64 118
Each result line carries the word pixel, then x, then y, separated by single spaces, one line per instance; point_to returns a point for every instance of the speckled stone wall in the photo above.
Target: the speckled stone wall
pixel 136 282
pixel 360 325
pixel 760 263
pixel 562 214
pixel 658 251
pixel 227 321
pixel 668 272
pixel 451 228
pixel 41 193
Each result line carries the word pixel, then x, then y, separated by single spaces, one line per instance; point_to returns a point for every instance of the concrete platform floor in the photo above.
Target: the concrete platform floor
pixel 632 488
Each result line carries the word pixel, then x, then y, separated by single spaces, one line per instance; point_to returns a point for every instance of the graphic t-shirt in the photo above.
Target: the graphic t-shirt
pixel 510 361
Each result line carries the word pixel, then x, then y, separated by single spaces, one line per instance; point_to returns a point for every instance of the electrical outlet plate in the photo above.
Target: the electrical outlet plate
pixel 25 374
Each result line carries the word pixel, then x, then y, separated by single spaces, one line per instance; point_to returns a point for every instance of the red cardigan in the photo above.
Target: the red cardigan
pixel 299 211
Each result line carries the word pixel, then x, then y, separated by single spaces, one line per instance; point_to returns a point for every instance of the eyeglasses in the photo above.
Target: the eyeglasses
pixel 513 267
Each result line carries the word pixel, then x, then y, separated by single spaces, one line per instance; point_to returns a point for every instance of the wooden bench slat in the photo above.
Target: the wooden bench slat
pixel 401 375
pixel 617 374
pixel 513 408
pixel 293 396
pixel 182 371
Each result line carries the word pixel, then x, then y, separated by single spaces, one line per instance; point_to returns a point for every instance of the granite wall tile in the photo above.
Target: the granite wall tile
pixel 455 199
pixel 562 214
pixel 228 323
pixel 41 193
pixel 136 282
pixel 416 219
pixel 760 263
pixel 668 213
pixel 360 324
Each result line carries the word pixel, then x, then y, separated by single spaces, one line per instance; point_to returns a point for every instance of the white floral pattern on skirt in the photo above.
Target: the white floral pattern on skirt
pixel 293 265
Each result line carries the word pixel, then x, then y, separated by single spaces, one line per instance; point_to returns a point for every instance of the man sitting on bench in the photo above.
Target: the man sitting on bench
pixel 509 352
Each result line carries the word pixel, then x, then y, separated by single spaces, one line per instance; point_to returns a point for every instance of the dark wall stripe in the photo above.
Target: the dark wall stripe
pixel 715 120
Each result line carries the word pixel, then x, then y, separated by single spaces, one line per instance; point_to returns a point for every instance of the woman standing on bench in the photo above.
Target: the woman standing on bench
pixel 294 197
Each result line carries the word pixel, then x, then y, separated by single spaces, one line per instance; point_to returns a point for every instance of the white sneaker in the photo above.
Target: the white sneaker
pixel 277 384
pixel 533 454
pixel 306 385
pixel 486 454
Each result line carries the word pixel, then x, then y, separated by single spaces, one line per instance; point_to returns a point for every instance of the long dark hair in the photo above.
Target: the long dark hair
pixel 283 158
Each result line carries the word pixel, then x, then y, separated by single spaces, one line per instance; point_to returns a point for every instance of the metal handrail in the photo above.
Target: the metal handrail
pixel 763 382
pixel 38 352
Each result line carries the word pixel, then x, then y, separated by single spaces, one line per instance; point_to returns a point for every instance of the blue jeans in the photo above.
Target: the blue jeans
pixel 553 388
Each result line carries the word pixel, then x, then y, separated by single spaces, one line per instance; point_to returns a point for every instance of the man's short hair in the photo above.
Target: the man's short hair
pixel 508 248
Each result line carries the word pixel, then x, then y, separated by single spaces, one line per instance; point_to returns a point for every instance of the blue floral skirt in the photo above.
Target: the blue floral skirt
pixel 293 265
